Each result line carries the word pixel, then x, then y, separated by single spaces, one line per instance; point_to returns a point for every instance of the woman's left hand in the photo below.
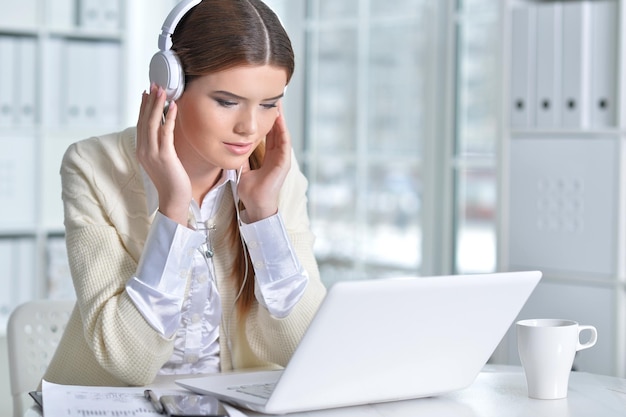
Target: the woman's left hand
pixel 258 189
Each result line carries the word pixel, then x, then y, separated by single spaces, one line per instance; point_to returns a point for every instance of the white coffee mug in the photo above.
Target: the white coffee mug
pixel 547 348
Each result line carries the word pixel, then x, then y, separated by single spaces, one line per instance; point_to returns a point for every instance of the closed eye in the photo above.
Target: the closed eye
pixel 269 105
pixel 225 103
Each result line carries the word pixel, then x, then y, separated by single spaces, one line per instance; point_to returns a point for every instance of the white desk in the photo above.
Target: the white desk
pixel 498 391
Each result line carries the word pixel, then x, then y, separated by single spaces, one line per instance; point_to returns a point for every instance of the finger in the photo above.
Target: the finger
pixel 141 120
pixel 278 136
pixel 154 116
pixel 280 119
pixel 145 108
pixel 272 135
pixel 142 106
pixel 170 117
pixel 156 104
pixel 167 129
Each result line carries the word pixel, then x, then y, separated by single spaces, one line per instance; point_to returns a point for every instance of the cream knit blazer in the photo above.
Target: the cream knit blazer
pixel 107 341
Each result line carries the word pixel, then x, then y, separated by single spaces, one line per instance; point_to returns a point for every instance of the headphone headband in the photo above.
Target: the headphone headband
pixel 172 19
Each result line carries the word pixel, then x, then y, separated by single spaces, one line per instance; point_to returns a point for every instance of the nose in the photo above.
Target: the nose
pixel 247 123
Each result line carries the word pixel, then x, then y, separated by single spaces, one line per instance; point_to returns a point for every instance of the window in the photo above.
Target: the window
pixel 396 132
pixel 478 127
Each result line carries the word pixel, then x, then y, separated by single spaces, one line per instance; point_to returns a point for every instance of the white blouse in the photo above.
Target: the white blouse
pixel 172 251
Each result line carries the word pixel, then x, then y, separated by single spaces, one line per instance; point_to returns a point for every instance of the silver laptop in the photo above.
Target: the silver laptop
pixel 384 340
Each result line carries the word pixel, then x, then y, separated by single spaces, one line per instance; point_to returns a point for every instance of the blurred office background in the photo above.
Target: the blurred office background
pixel 406 120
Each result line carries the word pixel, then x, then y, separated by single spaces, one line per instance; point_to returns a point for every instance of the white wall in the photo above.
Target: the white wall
pixel 145 18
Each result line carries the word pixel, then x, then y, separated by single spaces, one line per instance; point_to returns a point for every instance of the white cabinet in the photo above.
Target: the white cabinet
pixel 61 80
pixel 564 167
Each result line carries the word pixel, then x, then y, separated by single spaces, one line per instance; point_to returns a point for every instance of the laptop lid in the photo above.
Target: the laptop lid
pixel 388 339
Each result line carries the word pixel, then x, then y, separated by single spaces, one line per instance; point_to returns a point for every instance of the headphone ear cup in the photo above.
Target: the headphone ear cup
pixel 167 72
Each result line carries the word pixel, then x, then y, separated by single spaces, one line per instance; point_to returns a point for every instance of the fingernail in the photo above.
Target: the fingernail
pixel 159 91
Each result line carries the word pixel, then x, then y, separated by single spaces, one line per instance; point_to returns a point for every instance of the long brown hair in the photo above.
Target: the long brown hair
pixel 220 34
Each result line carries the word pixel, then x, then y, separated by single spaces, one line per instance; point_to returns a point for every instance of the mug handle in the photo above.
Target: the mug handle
pixel 592 340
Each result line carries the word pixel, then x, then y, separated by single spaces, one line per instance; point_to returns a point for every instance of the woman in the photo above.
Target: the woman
pixel 188 236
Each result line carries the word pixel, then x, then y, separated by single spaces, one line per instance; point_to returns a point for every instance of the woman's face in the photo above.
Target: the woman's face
pixel 223 116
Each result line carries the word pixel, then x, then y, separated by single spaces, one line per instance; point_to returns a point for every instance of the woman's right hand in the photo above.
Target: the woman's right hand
pixel 157 155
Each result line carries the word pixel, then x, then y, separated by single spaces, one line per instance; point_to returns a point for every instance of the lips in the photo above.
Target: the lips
pixel 238 148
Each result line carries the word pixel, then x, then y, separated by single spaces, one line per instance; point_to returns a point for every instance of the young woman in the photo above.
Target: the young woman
pixel 188 236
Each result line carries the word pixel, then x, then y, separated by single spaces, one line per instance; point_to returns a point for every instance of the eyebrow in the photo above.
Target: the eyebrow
pixel 235 96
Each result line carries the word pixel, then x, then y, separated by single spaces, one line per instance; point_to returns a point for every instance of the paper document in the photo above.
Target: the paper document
pixel 82 401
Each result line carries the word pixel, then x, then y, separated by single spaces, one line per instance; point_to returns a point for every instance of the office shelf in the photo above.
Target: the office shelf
pixel 53 52
pixel 71 69
pixel 564 167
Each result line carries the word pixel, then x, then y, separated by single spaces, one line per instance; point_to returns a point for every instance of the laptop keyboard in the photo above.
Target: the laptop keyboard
pixel 258 390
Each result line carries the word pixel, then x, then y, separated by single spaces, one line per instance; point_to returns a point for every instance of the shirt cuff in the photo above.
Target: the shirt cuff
pixel 280 278
pixel 158 287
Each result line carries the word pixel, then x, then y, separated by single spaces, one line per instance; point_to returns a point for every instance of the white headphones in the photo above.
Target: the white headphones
pixel 165 67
